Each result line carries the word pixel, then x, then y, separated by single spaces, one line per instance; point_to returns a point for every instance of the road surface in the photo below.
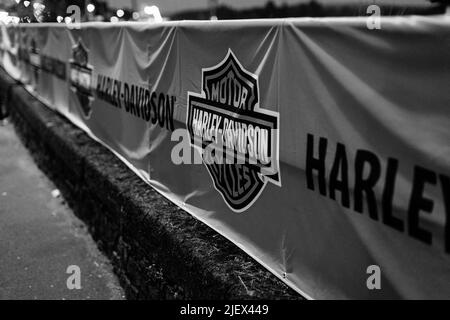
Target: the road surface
pixel 40 237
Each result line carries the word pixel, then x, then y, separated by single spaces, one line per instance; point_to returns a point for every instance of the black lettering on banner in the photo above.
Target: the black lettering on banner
pixel 169 113
pixel 161 101
pixel 114 100
pixel 445 182
pixel 366 185
pixel 367 170
pixel 153 103
pixel 317 164
pixel 142 103
pixel 340 166
pixel 137 112
pixel 107 88
pixel 119 89
pixel 388 195
pixel 419 203
pixel 59 69
pixel 126 94
pixel 138 96
pixel 132 107
pixel 138 101
pixel 49 64
pixel 99 86
pixel 147 105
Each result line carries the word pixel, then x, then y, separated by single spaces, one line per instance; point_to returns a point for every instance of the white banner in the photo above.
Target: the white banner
pixel 337 136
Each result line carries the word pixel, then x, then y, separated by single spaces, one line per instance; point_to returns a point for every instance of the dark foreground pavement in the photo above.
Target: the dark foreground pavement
pixel 40 237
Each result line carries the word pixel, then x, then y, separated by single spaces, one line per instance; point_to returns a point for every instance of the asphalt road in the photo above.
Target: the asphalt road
pixel 40 237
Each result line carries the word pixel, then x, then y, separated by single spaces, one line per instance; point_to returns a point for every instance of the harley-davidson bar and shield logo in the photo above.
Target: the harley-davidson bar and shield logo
pixel 81 77
pixel 238 140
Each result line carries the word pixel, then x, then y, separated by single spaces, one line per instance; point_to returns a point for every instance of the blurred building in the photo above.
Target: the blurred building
pixel 313 8
pixel 100 10
pixel 52 9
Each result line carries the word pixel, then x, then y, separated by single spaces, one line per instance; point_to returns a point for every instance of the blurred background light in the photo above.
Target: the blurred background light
pixel 153 12
pixel 6 18
pixel 90 7
pixel 161 10
pixel 3 15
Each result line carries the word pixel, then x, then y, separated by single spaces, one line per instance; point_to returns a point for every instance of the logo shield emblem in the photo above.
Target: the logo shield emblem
pixel 81 78
pixel 237 139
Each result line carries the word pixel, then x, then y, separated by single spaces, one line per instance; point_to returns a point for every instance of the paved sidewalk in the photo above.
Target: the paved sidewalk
pixel 40 237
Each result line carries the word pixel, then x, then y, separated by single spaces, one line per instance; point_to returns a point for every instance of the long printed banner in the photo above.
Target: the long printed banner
pixel 318 146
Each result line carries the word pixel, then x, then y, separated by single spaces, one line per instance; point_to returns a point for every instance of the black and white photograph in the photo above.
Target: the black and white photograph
pixel 224 159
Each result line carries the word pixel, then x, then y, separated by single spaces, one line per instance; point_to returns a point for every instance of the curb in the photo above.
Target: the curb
pixel 158 250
